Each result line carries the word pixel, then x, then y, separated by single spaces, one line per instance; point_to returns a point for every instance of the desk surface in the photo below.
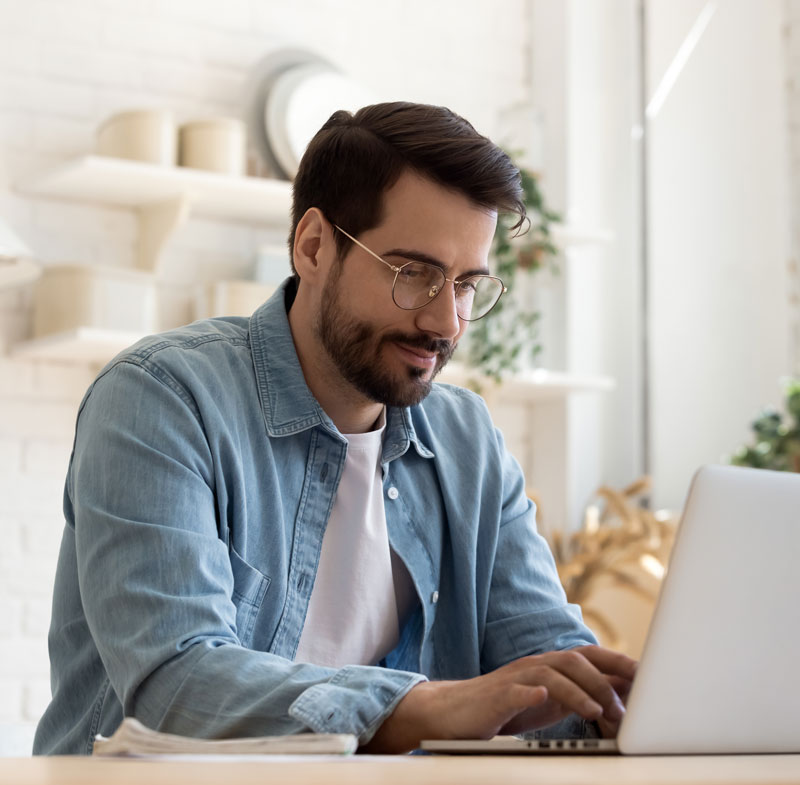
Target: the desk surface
pixel 417 770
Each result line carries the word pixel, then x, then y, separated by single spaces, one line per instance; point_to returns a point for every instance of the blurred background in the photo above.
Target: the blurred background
pixel 146 150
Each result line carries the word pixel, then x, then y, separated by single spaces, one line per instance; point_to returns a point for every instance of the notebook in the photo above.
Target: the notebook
pixel 720 669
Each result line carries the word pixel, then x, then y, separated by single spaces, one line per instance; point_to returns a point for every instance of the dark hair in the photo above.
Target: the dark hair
pixel 354 158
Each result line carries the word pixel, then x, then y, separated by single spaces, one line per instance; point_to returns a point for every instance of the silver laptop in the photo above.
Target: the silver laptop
pixel 720 670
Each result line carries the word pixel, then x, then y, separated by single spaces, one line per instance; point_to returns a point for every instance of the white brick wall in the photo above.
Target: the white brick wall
pixel 64 66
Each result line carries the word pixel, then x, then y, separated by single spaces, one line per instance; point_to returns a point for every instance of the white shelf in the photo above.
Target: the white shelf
pixel 533 385
pixel 131 184
pixel 81 345
pixel 164 196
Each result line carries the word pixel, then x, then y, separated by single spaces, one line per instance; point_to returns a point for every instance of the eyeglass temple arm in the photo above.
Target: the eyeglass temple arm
pixel 364 248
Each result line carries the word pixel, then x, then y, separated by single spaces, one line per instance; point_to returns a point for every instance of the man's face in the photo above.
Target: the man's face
pixel 390 355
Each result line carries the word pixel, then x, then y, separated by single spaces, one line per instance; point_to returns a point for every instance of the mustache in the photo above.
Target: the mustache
pixel 440 346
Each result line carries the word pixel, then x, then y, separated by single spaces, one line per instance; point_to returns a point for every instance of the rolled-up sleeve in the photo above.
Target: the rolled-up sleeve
pixel 156 581
pixel 527 612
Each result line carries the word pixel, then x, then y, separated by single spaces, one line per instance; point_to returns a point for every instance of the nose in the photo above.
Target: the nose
pixel 439 316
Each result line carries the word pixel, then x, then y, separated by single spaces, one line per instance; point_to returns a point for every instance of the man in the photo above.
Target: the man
pixel 278 524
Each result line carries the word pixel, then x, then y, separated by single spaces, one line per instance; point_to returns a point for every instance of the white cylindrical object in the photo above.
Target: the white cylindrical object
pixel 81 295
pixel 146 135
pixel 216 145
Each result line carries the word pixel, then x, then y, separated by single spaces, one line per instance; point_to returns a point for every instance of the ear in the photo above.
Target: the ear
pixel 314 246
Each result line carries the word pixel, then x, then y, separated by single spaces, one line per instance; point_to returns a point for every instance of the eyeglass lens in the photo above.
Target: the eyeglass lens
pixel 418 283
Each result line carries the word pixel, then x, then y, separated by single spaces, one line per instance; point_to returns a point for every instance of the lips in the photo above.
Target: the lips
pixel 426 354
pixel 422 353
pixel 417 356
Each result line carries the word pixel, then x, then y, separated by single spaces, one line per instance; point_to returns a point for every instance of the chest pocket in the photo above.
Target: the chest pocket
pixel 249 589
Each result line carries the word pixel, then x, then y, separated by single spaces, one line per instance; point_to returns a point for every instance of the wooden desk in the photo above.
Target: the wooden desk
pixel 416 770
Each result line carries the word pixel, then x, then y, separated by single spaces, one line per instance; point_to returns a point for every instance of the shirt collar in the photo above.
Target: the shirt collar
pixel 286 402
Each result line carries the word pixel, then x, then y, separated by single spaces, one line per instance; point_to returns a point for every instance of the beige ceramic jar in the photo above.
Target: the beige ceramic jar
pixel 146 135
pixel 217 145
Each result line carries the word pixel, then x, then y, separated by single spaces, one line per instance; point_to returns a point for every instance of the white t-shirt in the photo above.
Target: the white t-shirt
pixel 352 616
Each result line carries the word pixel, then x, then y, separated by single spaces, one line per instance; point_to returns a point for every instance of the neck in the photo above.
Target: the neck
pixel 350 411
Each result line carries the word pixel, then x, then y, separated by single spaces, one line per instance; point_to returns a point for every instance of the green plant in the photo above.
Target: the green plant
pixel 499 343
pixel 777 441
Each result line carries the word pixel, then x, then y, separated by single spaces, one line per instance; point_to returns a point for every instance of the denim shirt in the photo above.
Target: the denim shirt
pixel 200 483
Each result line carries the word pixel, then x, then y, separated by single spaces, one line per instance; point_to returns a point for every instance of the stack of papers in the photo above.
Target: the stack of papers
pixel 134 739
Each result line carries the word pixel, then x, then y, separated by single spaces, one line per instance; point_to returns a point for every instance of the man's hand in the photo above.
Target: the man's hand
pixel 529 693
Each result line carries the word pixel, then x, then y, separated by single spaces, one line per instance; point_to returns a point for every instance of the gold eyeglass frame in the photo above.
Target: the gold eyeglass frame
pixel 456 283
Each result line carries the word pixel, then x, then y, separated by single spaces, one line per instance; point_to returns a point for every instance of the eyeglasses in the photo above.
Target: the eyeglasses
pixel 418 283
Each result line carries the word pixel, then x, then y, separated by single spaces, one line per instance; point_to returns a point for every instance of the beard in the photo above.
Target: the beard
pixel 356 352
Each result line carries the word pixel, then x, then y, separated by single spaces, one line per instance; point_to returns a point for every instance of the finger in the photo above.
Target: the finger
pixel 621 686
pixel 535 717
pixel 525 696
pixel 613 663
pixel 516 700
pixel 582 672
pixel 608 729
pixel 563 690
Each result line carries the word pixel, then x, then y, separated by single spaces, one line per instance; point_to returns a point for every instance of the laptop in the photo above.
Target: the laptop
pixel 720 669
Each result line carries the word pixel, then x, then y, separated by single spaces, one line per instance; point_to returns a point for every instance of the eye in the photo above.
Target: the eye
pixel 468 287
pixel 420 274
pixel 410 272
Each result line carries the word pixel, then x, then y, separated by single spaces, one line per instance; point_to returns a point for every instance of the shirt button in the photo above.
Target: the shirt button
pixel 435 597
pixel 392 493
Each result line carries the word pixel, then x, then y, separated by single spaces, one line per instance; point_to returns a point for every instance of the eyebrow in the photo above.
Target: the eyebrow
pixel 421 256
